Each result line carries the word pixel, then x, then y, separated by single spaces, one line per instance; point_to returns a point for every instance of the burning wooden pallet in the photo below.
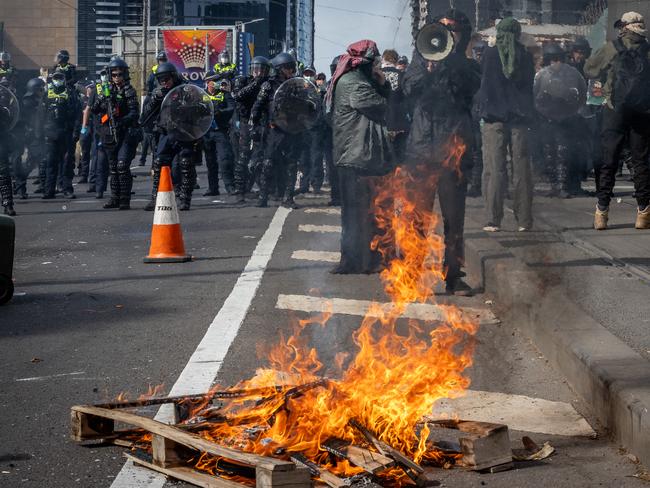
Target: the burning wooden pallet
pixel 483 447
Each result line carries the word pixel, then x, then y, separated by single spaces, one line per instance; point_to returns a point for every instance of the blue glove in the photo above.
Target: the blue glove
pixel 84 131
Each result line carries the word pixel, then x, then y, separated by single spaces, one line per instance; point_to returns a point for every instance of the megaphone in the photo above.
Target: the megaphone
pixel 434 42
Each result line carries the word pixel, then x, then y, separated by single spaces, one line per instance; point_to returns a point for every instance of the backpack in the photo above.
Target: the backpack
pixel 631 88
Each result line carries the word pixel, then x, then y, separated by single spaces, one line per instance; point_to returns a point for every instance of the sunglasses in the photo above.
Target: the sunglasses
pixel 117 74
pixel 164 79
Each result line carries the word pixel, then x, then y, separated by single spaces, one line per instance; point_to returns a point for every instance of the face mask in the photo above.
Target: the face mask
pixel 104 78
pixel 311 78
pixel 58 83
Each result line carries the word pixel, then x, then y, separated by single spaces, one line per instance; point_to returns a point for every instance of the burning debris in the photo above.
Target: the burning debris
pixel 288 424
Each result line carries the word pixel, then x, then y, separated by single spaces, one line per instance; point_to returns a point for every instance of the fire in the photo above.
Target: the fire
pixel 397 374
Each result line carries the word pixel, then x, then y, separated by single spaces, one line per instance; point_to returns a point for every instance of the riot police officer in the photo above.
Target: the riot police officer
pixel 32 117
pixel 225 67
pixel 216 143
pixel 161 57
pixel 279 147
pixel 63 65
pixel 245 91
pixel 7 71
pixel 117 104
pixel 311 151
pixel 7 119
pixel 60 114
pixel 168 146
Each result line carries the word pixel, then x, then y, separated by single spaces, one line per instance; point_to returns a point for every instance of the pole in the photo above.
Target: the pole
pixel 145 42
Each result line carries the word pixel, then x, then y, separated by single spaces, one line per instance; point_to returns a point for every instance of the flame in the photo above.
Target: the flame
pixel 397 373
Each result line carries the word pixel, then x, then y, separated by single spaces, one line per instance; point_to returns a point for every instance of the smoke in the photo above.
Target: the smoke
pixel 336 29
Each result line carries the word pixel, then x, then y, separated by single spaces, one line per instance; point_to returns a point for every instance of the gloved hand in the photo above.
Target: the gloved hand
pixel 84 131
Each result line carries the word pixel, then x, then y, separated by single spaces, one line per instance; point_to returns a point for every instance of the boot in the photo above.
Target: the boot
pixel 239 198
pixel 112 203
pixel 151 205
pixel 601 217
pixel 184 206
pixel 9 209
pixel 643 218
pixel 459 288
pixel 262 201
pixel 289 202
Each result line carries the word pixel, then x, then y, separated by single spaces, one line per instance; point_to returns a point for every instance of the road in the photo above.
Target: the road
pixel 90 321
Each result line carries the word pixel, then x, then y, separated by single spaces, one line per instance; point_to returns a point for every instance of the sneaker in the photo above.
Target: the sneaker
pixel 601 217
pixel 492 228
pixel 643 218
pixel 459 288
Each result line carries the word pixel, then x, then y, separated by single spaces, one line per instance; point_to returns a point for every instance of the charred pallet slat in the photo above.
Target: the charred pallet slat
pixel 371 462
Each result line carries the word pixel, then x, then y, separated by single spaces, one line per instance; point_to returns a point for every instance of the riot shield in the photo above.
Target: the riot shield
pixel 9 109
pixel 559 93
pixel 186 113
pixel 296 106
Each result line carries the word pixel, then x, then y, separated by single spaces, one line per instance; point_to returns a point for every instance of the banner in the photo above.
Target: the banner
pixel 246 52
pixel 188 50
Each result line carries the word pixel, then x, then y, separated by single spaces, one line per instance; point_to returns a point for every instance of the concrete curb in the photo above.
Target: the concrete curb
pixel 613 379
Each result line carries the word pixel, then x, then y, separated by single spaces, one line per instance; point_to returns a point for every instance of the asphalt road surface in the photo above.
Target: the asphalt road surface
pixel 90 320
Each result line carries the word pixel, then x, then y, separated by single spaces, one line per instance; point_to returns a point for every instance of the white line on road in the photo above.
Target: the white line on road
pixel 205 363
pixel 518 412
pixel 49 377
pixel 326 211
pixel 325 256
pixel 344 306
pixel 323 229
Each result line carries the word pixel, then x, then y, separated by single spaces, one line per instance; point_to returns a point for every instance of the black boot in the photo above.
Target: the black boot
pixel 458 287
pixel 9 209
pixel 126 183
pixel 151 205
pixel 112 203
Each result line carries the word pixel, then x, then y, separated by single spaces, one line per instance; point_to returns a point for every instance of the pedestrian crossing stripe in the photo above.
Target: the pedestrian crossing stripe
pixel 323 229
pixel 322 256
pixel 343 306
pixel 325 211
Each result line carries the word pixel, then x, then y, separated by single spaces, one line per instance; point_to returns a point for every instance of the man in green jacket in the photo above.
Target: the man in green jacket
pixel 624 118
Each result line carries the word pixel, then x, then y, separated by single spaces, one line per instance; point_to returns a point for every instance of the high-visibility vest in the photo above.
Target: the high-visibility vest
pixel 54 95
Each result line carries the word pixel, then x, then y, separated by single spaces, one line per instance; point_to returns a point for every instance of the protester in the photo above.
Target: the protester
pixel 443 94
pixel 625 116
pixel 506 107
pixel 397 118
pixel 358 98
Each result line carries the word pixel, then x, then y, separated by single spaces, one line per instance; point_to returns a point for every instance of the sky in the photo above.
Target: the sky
pixel 336 29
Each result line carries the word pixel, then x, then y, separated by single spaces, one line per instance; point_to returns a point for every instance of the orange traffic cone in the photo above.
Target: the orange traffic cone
pixel 166 235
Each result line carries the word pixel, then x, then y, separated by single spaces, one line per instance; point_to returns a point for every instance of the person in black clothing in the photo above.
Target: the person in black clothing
pixel 61 113
pixel 117 105
pixel 397 118
pixel 442 95
pixel 216 143
pixel 7 70
pixel 152 83
pixel 31 129
pixel 63 65
pixel 475 179
pixel 311 153
pixel 279 147
pixel 328 147
pixel 7 146
pixel 168 147
pixel 579 53
pixel 245 91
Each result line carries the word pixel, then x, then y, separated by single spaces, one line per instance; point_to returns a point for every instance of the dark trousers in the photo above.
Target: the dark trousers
pixel 6 190
pixel 66 173
pixel 558 143
pixel 311 160
pixel 241 173
pixel 358 223
pixel 86 143
pixel 119 156
pixel 332 170
pixel 280 167
pixel 166 150
pixel 219 160
pixel 616 127
pixel 56 147
pixel 147 146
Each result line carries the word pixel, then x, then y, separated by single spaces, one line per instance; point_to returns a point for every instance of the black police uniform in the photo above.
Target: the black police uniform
pixel 8 73
pixel 216 144
pixel 6 147
pixel 167 149
pixel 280 148
pixel 245 92
pixel 61 113
pixel 32 115
pixel 119 109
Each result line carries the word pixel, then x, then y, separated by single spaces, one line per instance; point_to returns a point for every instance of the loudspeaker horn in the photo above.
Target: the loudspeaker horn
pixel 434 42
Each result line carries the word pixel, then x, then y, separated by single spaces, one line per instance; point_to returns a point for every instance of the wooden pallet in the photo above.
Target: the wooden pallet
pixel 170 445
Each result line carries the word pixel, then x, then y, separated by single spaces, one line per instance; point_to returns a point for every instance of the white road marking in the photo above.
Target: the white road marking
pixel 205 363
pixel 326 211
pixel 518 412
pixel 325 256
pixel 344 306
pixel 323 229
pixel 51 376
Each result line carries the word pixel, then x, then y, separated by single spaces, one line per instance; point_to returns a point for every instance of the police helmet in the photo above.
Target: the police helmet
pixel 335 63
pixel 35 85
pixel 118 64
pixel 403 60
pixel 553 49
pixel 63 56
pixel 167 69
pixel 309 69
pixel 58 75
pixel 293 52
pixel 479 46
pixel 582 45
pixel 5 57
pixel 161 57
pixel 224 57
pixel 260 66
pixel 284 60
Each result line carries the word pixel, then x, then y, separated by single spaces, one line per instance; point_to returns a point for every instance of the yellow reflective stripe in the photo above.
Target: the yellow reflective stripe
pixel 154 69
pixel 52 94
